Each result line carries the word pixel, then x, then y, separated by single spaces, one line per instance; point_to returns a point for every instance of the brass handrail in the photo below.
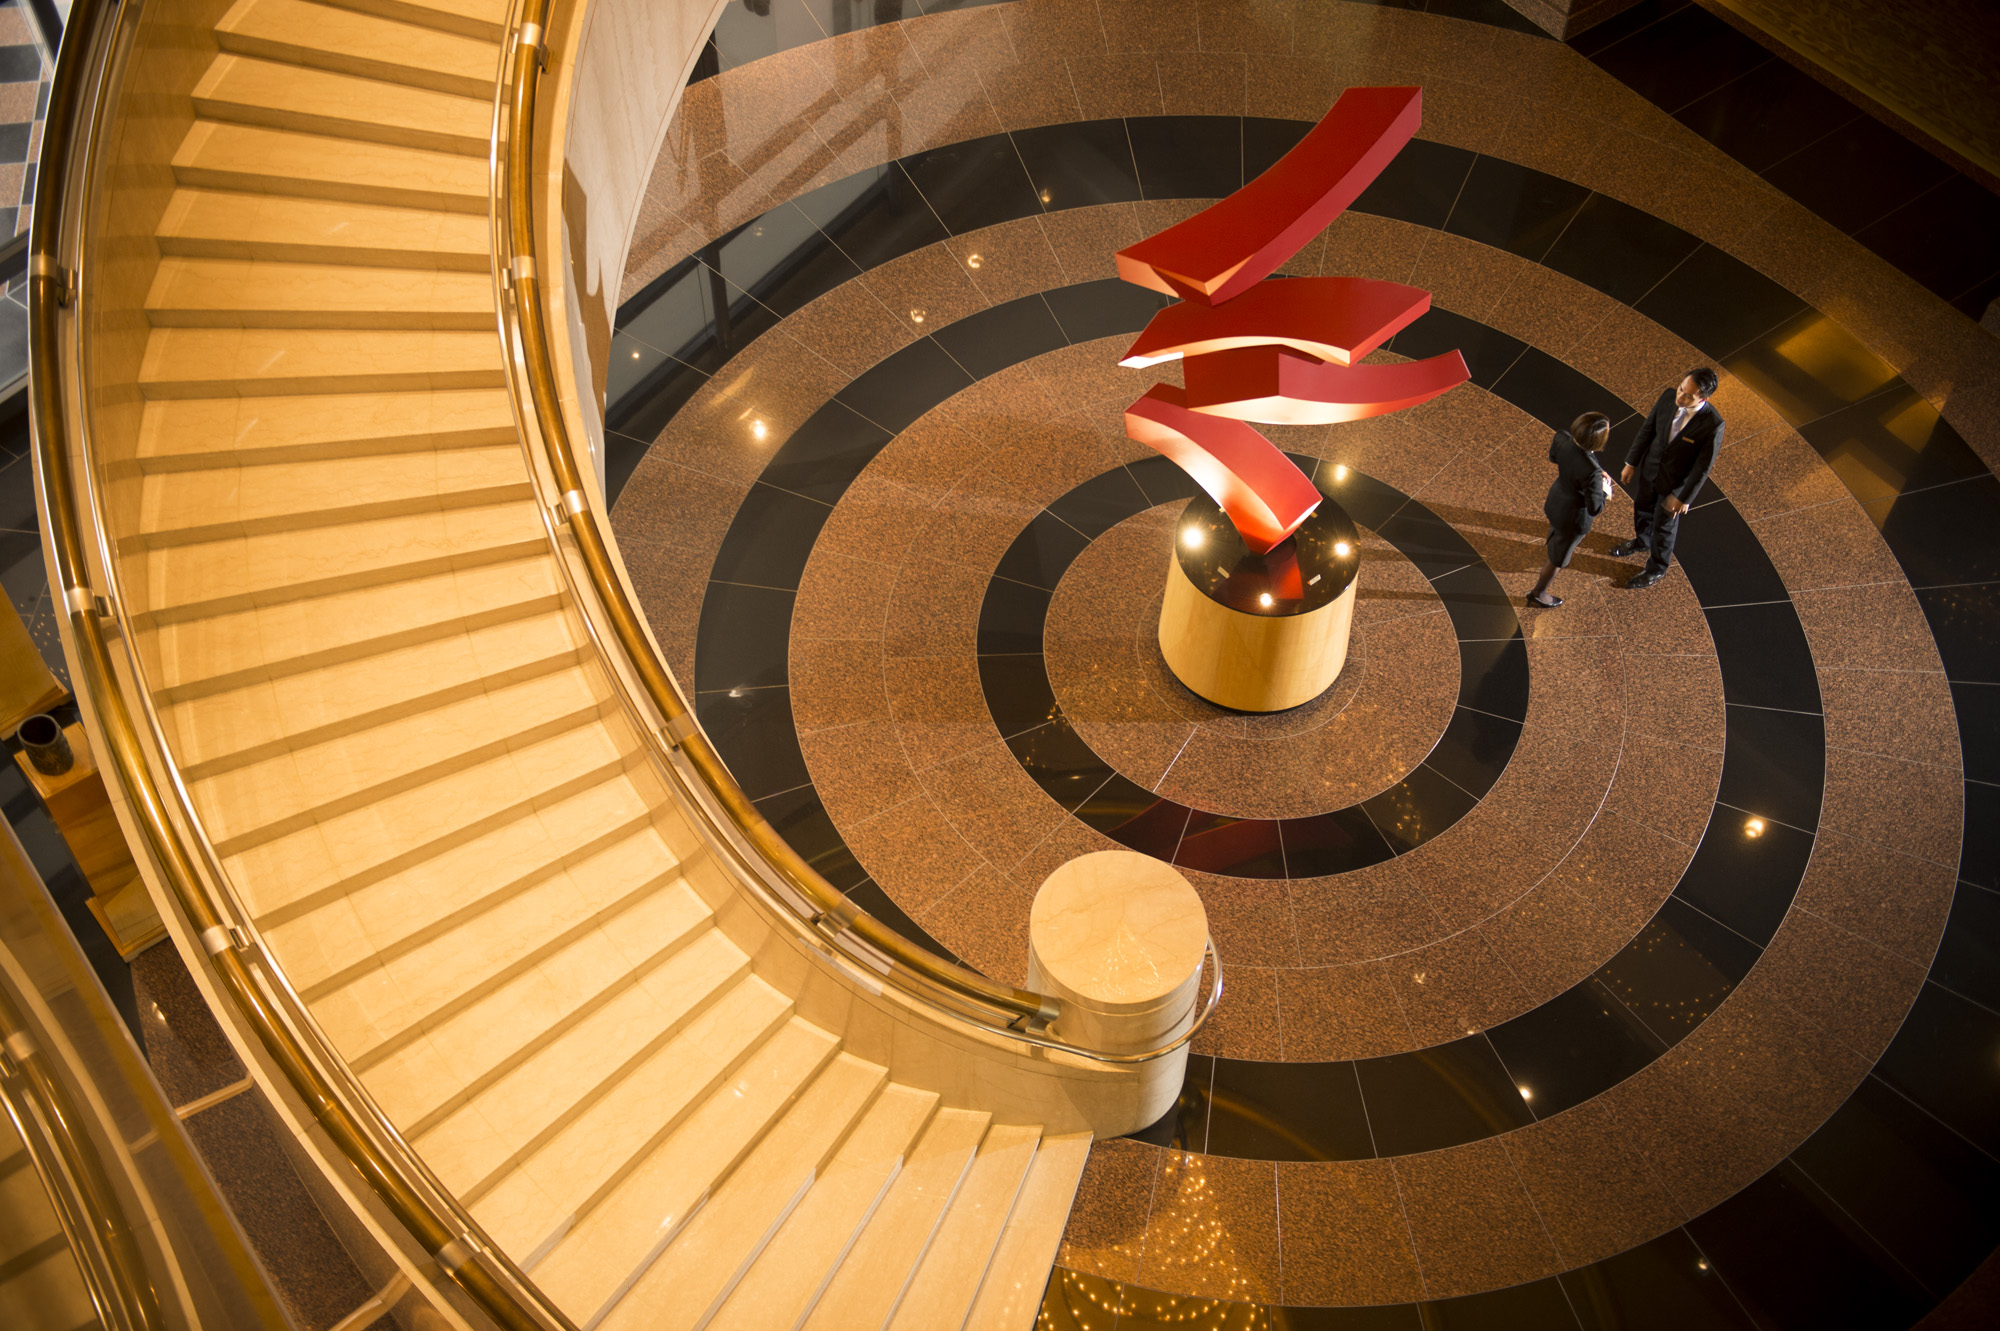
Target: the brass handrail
pixel 1024 1014
pixel 100 1237
pixel 445 1232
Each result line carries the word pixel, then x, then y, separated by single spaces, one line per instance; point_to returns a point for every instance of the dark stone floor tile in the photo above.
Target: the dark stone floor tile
pixel 1796 1262
pixel 1682 58
pixel 873 220
pixel 1231 847
pixel 1105 308
pixel 1265 141
pixel 1916 1187
pixel 1573 1047
pixel 1187 157
pixel 1017 692
pixel 1767 116
pixel 1006 334
pixel 744 638
pixel 1947 238
pixel 1420 806
pixel 1722 557
pixel 1947 1059
pixel 1419 184
pixel 1891 442
pixel 1663 1285
pixel 770 539
pixel 1488 352
pixel 1287 1111
pixel 1618 249
pixel 823 457
pixel 974 183
pixel 1774 765
pixel 1553 393
pixel 1746 872
pixel 1076 165
pixel 1965 621
pixel 781 259
pixel 1059 762
pixel 1011 618
pixel 1765 658
pixel 753 731
pixel 1968 956
pixel 1677 971
pixel 1822 175
pixel 800 818
pixel 1718 302
pixel 1538 1306
pixel 1439 1097
pixel 905 385
pixel 1941 536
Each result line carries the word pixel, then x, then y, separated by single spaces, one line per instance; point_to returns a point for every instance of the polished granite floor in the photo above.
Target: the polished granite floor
pixel 1631 964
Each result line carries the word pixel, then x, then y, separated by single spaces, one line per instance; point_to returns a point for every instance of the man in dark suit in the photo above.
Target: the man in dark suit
pixel 1666 468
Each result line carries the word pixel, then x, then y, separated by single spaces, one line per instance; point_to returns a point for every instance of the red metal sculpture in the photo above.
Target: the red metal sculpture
pixel 1281 352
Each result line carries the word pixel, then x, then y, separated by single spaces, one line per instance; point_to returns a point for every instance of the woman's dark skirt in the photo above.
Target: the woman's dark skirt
pixel 1563 544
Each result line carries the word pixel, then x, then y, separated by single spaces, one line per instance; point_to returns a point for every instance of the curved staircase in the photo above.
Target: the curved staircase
pixel 409 762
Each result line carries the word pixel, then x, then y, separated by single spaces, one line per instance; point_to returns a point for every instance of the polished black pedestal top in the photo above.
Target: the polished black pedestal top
pixel 1307 570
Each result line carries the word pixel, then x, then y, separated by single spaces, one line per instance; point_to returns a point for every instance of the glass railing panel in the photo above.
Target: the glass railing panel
pixel 146 1238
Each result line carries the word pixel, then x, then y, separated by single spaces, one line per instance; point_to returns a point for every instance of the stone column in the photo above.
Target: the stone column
pixel 1118 937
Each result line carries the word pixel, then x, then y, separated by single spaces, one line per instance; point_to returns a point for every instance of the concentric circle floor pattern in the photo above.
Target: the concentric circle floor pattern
pixel 1583 1049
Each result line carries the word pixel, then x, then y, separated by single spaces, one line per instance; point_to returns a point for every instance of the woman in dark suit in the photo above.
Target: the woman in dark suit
pixel 1579 494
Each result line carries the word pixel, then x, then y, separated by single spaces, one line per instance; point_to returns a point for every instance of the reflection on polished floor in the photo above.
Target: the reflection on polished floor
pixel 1631 964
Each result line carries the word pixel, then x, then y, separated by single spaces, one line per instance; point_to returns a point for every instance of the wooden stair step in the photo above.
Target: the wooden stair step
pixel 347 41
pixel 217 155
pixel 949 1276
pixel 463 1032
pixel 785 1282
pixel 258 293
pixel 611 1248
pixel 195 434
pixel 867 1287
pixel 226 224
pixel 199 657
pixel 701 1268
pixel 1011 1295
pixel 284 95
pixel 535 1204
pixel 212 362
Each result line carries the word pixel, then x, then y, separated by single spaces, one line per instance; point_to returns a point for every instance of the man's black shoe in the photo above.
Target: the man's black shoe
pixel 1627 549
pixel 1644 579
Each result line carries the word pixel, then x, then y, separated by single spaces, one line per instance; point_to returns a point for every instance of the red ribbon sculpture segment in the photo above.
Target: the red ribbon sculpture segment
pixel 1339 319
pixel 1236 243
pixel 1258 487
pixel 1276 386
pixel 1281 352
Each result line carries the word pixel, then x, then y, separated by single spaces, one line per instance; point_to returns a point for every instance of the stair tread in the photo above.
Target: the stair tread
pixel 868 1284
pixel 387 759
pixel 199 656
pixel 702 1264
pixel 228 499
pixel 207 362
pixel 372 844
pixel 473 18
pixel 199 432
pixel 475 1142
pixel 402 911
pixel 268 716
pixel 778 1289
pixel 612 1245
pixel 1011 1294
pixel 326 37
pixel 228 224
pixel 217 154
pixel 285 95
pixel 242 293
pixel 949 1276
pixel 463 1031
pixel 263 567
pixel 583 1163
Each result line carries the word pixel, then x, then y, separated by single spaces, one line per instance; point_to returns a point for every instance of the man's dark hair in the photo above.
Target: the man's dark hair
pixel 1705 382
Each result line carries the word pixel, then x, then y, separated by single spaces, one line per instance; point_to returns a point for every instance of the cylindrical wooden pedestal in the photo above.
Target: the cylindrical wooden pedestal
pixel 1119 937
pixel 1259 633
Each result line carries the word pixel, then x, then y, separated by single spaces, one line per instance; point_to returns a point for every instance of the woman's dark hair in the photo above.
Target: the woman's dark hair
pixel 1590 430
pixel 1705 382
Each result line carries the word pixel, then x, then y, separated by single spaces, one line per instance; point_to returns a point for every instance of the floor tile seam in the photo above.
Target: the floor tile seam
pixel 1923 965
pixel 1954 769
